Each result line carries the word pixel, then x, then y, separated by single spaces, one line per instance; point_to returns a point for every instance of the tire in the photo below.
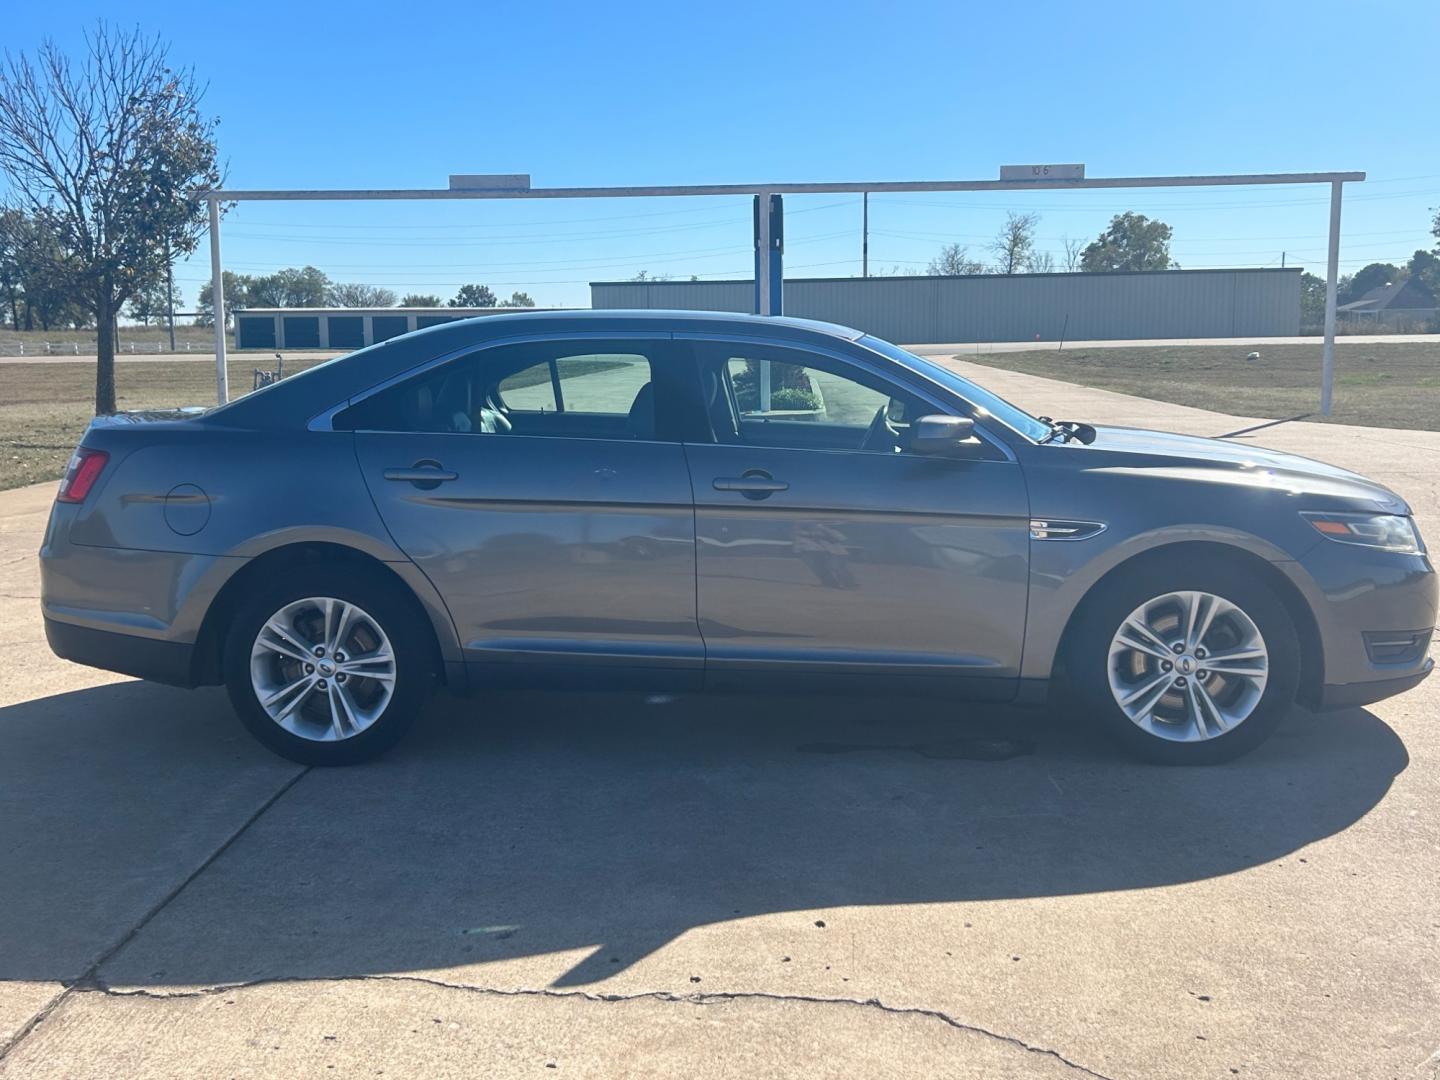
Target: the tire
pixel 365 705
pixel 1178 727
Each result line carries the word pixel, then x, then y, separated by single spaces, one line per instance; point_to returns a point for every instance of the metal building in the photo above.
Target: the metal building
pixel 1016 307
pixel 341 328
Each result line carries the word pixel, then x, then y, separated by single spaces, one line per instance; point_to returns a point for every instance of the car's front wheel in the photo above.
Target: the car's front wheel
pixel 1190 665
pixel 327 665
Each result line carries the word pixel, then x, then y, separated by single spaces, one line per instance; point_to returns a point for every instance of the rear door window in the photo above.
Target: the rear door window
pixel 588 389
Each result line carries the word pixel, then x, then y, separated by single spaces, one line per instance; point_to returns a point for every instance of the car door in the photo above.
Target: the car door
pixel 824 546
pixel 538 488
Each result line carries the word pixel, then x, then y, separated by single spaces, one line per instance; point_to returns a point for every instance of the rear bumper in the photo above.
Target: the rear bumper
pixel 145 658
pixel 1350 695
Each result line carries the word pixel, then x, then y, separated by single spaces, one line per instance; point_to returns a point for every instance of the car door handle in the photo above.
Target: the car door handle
pixel 423 474
pixel 753 485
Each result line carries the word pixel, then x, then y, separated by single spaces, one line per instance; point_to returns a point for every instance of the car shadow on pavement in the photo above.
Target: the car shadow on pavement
pixel 603 826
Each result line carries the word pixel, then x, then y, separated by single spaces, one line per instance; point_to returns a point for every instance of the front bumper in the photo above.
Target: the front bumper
pixel 1363 597
pixel 145 658
pixel 1352 695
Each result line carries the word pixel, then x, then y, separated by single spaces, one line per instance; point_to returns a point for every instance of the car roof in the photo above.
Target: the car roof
pixel 601 316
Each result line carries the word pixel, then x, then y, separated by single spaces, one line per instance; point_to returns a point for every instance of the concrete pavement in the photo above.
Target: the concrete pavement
pixel 602 885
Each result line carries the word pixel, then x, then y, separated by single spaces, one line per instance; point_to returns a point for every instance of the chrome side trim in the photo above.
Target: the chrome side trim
pixel 1059 529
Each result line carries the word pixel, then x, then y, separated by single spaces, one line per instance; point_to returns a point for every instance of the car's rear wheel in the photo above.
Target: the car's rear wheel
pixel 327 666
pixel 1189 665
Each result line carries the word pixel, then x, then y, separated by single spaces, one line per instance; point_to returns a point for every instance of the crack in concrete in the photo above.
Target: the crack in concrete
pixel 709 997
pixel 90 976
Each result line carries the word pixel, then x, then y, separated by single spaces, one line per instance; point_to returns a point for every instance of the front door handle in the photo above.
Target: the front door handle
pixel 754 484
pixel 425 474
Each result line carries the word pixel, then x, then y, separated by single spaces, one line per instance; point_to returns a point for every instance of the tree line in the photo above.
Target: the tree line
pixel 310 287
pixel 1130 242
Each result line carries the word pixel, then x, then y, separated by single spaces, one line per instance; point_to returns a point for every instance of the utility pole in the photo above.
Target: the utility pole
pixel 170 294
pixel 865 236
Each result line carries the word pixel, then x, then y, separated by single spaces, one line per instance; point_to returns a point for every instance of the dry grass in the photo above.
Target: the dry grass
pixel 44 406
pixel 1386 385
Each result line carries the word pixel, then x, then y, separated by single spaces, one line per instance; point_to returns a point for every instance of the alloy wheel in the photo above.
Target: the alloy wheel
pixel 1188 666
pixel 323 669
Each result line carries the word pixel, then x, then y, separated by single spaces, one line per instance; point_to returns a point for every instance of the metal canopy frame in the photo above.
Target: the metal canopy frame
pixel 765 262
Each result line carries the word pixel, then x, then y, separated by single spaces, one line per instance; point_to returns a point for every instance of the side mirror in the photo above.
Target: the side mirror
pixel 953 435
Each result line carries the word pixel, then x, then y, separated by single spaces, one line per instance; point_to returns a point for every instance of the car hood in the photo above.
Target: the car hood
pixel 1223 461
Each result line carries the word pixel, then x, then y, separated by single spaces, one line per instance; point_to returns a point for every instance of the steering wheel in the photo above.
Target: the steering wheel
pixel 880 436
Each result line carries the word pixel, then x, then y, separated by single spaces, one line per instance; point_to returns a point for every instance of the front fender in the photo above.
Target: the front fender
pixel 1063 573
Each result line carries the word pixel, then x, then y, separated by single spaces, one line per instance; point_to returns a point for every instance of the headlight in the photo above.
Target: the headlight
pixel 1390 532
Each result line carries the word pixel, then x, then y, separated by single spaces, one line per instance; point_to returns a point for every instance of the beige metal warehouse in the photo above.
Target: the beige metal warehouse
pixel 1013 307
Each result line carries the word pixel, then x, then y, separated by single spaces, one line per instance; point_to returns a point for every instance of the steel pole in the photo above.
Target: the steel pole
pixel 865 237
pixel 217 304
pixel 1332 276
pixel 170 295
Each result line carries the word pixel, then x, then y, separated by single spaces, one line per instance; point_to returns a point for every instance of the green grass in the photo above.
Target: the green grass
pixel 1385 385
pixel 44 407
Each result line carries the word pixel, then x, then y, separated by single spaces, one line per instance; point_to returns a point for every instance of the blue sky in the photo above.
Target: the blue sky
pixel 357 95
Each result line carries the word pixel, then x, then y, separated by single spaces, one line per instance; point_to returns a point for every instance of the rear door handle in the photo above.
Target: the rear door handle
pixel 423 474
pixel 754 484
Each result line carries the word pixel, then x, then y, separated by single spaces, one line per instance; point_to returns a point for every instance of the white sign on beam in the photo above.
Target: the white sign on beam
pixel 489 181
pixel 1042 172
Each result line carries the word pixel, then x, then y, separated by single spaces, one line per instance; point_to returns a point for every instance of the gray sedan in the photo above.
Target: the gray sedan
pixel 684 500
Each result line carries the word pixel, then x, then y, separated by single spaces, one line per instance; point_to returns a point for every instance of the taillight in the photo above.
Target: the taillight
pixel 80 475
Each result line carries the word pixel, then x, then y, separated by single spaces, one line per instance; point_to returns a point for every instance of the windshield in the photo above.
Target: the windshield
pixel 977 395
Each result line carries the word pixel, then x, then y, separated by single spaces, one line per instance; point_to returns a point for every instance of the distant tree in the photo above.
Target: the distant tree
pixel 1372 276
pixel 520 299
pixel 474 296
pixel 349 294
pixel 1312 302
pixel 149 302
pixel 33 279
pixel 953 261
pixel 12 270
pixel 303 286
pixel 1014 243
pixel 420 300
pixel 1425 266
pixel 237 295
pixel 645 275
pixel 1132 242
pixel 109 154
pixel 1070 261
pixel 1040 262
pixel 1435 230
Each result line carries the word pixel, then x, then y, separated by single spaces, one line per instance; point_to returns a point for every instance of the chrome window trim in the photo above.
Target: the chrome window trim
pixel 877 370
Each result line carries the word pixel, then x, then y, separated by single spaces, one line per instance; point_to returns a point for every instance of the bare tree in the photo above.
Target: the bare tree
pixel 353 294
pixel 1014 242
pixel 954 261
pixel 109 156
pixel 1040 262
pixel 1070 261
